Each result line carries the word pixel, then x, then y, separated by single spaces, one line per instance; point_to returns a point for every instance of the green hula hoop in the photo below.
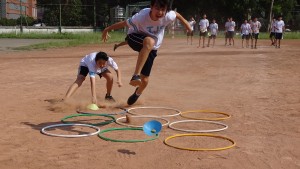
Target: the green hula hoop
pixel 200 149
pixel 124 141
pixel 95 124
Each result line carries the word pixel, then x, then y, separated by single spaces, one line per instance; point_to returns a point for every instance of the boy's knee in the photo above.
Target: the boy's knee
pixel 148 43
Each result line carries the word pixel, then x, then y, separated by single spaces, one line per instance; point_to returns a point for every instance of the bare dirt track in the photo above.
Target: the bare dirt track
pixel 259 88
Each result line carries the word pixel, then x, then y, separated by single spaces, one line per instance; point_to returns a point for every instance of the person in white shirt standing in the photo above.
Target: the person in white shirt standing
pixel 231 28
pixel 279 29
pixel 213 27
pixel 245 31
pixel 226 31
pixel 192 23
pixel 203 24
pixel 255 26
pixel 146 36
pixel 272 31
pixel 96 63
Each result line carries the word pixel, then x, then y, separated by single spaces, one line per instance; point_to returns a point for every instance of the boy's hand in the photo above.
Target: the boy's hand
pixel 119 84
pixel 105 35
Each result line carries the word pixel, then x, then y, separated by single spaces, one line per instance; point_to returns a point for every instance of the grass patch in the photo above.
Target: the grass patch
pixel 76 39
pixel 69 39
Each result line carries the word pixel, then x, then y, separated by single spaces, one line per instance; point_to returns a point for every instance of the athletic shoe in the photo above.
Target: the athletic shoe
pixel 133 98
pixel 135 80
pixel 109 98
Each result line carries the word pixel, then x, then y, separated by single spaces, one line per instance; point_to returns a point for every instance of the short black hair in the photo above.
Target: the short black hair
pixel 161 4
pixel 102 56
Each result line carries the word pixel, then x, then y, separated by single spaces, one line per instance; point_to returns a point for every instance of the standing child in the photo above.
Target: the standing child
pixel 226 31
pixel 231 29
pixel 192 22
pixel 96 63
pixel 146 37
pixel 245 31
pixel 255 26
pixel 279 29
pixel 213 27
pixel 203 24
pixel 272 31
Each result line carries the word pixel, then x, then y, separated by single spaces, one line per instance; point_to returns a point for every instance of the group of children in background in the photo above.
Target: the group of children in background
pixel 248 30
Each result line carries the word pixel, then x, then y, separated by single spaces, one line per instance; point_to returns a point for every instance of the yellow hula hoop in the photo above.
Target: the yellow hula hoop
pixel 200 149
pixel 227 116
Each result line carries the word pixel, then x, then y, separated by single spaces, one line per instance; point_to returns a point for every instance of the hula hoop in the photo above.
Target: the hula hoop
pixel 129 125
pixel 70 136
pixel 96 124
pixel 198 131
pixel 81 112
pixel 200 149
pixel 124 141
pixel 227 116
pixel 167 108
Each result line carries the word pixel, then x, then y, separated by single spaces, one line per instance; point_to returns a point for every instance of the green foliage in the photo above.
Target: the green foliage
pixel 8 22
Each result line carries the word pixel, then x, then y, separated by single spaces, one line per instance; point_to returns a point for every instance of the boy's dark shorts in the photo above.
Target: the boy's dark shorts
pixel 190 33
pixel 255 35
pixel 272 34
pixel 212 36
pixel 246 37
pixel 135 41
pixel 204 34
pixel 82 70
pixel 278 35
pixel 230 34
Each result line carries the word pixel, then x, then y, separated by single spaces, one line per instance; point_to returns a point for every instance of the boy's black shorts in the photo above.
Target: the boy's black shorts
pixel 82 70
pixel 135 41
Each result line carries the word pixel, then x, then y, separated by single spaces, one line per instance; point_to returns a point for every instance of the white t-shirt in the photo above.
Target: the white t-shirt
pixel 227 26
pixel 246 28
pixel 255 26
pixel 192 23
pixel 231 26
pixel 203 25
pixel 273 26
pixel 89 62
pixel 279 26
pixel 142 23
pixel 213 27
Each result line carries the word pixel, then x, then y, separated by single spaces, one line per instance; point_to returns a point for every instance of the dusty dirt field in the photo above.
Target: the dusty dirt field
pixel 259 88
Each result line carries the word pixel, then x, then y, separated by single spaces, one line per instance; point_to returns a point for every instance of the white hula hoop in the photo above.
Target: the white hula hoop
pixel 129 125
pixel 70 136
pixel 198 131
pixel 167 108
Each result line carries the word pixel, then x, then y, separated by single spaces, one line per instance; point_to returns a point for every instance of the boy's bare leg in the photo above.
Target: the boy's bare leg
pixel 78 82
pixel 148 44
pixel 199 41
pixel 109 81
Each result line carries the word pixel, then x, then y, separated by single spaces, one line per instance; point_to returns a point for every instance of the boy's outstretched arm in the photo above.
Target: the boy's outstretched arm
pixel 115 26
pixel 184 21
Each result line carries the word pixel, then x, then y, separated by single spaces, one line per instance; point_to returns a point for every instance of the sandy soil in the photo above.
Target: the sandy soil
pixel 259 88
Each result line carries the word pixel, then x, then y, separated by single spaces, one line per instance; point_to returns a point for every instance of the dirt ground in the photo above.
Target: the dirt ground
pixel 259 88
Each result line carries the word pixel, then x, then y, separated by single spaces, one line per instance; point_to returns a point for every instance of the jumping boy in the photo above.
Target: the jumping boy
pixel 96 63
pixel 146 37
